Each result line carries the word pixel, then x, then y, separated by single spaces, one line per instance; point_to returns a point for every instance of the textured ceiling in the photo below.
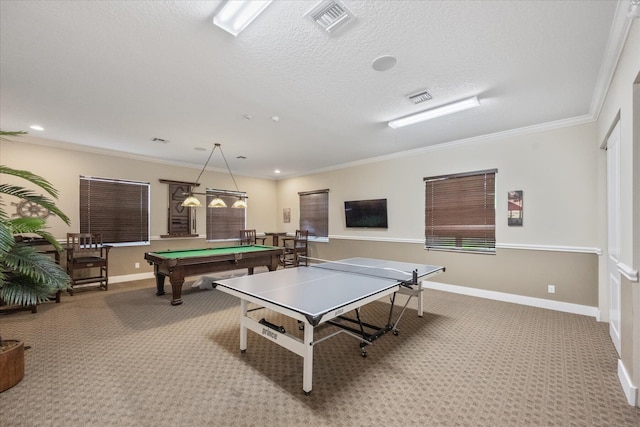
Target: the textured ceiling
pixel 115 74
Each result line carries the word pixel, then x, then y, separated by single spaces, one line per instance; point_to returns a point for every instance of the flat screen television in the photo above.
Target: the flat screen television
pixel 366 213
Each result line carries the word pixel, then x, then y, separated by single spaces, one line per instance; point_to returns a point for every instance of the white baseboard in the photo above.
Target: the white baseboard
pixel 630 391
pixel 517 299
pixel 130 277
pixel 481 293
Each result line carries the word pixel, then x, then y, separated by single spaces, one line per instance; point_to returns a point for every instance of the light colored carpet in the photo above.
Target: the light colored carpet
pixel 126 357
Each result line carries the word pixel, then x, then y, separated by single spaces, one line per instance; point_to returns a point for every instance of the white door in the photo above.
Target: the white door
pixel 613 233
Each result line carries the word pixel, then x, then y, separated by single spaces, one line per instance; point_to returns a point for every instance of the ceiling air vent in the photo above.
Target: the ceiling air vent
pixel 330 15
pixel 420 97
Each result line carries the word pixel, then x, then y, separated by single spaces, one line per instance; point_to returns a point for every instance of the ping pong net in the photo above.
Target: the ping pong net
pixel 406 278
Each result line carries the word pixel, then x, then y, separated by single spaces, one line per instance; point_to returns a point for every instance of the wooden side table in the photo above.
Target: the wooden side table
pixel 275 237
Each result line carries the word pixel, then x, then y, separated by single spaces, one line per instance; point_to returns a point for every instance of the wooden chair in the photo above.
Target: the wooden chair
pixel 294 248
pixel 248 237
pixel 87 255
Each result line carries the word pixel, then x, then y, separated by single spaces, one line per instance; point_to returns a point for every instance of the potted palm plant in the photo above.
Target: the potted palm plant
pixel 26 276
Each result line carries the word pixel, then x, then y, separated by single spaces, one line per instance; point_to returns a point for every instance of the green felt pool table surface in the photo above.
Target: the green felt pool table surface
pixel 178 264
pixel 187 253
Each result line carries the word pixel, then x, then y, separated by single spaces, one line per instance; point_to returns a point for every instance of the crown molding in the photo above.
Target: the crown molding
pixel 558 124
pixel 617 38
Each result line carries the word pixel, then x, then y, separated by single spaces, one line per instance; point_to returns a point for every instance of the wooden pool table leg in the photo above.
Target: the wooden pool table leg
pixel 177 279
pixel 275 261
pixel 159 281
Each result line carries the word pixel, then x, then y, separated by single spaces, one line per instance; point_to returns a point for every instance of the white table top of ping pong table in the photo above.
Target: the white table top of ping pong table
pixel 313 291
pixel 315 295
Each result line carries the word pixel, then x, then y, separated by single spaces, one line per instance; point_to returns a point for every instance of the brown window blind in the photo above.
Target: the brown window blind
pixel 118 209
pixel 314 212
pixel 460 211
pixel 224 223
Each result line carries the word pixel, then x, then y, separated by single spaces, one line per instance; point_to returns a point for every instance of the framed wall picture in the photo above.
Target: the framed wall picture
pixel 286 215
pixel 514 213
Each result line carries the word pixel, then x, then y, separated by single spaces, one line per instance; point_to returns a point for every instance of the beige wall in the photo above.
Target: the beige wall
pixel 520 272
pixel 558 244
pixel 62 167
pixel 556 169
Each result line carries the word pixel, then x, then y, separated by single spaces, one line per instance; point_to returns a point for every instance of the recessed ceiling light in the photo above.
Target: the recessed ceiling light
pixel 384 63
pixel 36 127
pixel 276 171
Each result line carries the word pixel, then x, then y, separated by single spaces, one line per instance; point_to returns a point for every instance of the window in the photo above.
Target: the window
pixel 116 208
pixel 224 223
pixel 314 212
pixel 460 212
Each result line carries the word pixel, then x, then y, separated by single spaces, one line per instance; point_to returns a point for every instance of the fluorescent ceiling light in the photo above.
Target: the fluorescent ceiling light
pixel 236 15
pixel 454 107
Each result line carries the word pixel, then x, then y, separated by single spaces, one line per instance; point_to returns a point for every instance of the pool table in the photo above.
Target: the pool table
pixel 190 262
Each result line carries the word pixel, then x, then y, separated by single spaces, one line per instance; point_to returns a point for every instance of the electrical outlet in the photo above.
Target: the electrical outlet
pixel 137 265
pixel 551 289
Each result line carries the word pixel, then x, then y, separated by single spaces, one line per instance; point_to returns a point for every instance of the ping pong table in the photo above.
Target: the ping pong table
pixel 322 293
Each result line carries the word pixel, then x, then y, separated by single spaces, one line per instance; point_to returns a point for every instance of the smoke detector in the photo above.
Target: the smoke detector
pixel 330 15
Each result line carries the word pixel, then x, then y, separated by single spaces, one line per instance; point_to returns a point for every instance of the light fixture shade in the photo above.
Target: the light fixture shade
pixel 191 202
pixel 236 15
pixel 454 107
pixel 217 202
pixel 239 204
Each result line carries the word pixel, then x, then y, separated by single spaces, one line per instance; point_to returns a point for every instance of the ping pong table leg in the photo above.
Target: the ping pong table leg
pixel 420 301
pixel 243 329
pixel 307 374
